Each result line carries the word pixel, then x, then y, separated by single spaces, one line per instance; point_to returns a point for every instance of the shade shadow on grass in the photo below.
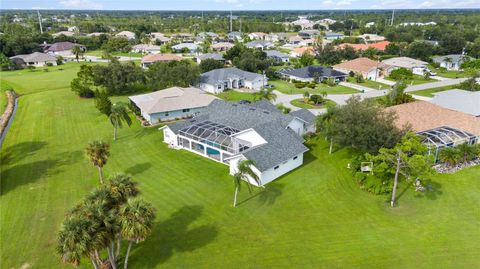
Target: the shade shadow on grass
pixel 17 152
pixel 173 235
pixel 138 168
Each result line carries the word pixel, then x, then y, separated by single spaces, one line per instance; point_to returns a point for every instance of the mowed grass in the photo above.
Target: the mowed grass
pixel 430 92
pixel 370 84
pixel 314 217
pixel 289 88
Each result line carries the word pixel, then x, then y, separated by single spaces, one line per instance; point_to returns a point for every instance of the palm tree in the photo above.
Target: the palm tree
pixel 306 95
pixel 243 174
pixel 118 116
pixel 98 153
pixel 77 51
pixel 266 94
pixel 325 122
pixel 451 156
pixel 466 151
pixel 136 219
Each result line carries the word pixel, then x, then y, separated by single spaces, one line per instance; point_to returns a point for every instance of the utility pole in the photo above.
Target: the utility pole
pixel 40 21
pixel 393 17
pixel 231 21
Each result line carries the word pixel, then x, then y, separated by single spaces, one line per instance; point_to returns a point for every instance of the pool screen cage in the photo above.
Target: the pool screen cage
pixel 213 134
pixel 444 137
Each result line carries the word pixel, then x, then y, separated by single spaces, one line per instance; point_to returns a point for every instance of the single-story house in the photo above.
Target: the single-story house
pixel 65 33
pixel 307 34
pixel 333 36
pixel 257 35
pixel 233 36
pixel 219 80
pixel 159 38
pixel 310 73
pixel 277 56
pixel 452 61
pixel 307 42
pixel 63 49
pixel 126 34
pixel 303 23
pixel 208 34
pixel 260 44
pixel 418 67
pixel 170 104
pixel 372 38
pixel 191 47
pixel 276 37
pixel 439 127
pixel 96 34
pixel 146 48
pixel 298 52
pixel 369 69
pixel 37 59
pixel 184 37
pixel 294 40
pixel 161 57
pixel 380 46
pixel 222 46
pixel 215 56
pixel 459 100
pixel 231 132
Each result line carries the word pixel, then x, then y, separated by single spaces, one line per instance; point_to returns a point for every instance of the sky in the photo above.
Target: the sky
pixel 236 4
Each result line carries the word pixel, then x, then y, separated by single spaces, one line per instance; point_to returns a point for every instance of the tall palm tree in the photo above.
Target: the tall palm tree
pixel 136 219
pixel 325 122
pixel 266 94
pixel 98 153
pixel 77 51
pixel 243 174
pixel 118 116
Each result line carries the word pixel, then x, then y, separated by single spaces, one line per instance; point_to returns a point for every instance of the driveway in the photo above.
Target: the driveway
pixel 436 84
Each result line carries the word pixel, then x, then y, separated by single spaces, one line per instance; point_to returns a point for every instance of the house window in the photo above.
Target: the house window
pixel 166 114
pixel 276 167
pixel 186 110
pixel 219 87
pixel 296 157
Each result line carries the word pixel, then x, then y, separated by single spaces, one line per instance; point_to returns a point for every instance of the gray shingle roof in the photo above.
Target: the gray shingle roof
pixel 305 115
pixel 35 57
pixel 309 71
pixel 276 54
pixel 221 74
pixel 459 100
pixel 454 58
pixel 282 143
pixel 61 46
pixel 259 43
pixel 215 56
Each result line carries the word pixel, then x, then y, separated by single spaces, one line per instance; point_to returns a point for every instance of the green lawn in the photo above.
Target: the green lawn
pixel 448 74
pixel 430 92
pixel 235 96
pixel 370 84
pixel 99 53
pixel 289 88
pixel 314 217
pixel 416 80
pixel 301 104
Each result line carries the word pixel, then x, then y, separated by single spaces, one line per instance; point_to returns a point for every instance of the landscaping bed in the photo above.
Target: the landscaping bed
pixel 289 88
pixel 309 105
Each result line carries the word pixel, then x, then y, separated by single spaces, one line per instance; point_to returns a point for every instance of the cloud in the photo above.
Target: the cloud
pixel 80 4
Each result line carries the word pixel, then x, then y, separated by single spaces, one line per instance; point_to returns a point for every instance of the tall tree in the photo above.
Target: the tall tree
pixel 118 116
pixel 244 174
pixel 77 51
pixel 103 103
pixel 266 94
pixel 98 153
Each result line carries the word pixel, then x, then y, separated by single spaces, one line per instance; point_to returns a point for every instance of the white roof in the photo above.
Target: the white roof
pixel 459 100
pixel 172 99
pixel 405 62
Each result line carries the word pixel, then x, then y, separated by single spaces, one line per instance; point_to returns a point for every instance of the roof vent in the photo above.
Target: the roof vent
pixel 252 109
pixel 234 105
pixel 266 112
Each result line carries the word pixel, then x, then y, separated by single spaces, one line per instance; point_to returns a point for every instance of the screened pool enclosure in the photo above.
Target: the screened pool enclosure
pixel 443 137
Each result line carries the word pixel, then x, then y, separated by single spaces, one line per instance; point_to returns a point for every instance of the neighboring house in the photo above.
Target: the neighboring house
pixel 37 59
pixel 215 56
pixel 184 37
pixel 295 40
pixel 277 56
pixel 257 35
pixel 380 46
pixel 276 37
pixel 204 35
pixel 222 46
pixel 307 34
pixel 219 80
pixel 233 36
pixel 231 132
pixel 369 24
pixel 298 52
pixel 418 67
pixel 72 29
pixel 460 100
pixel 418 23
pixel 170 104
pixel 333 36
pixel 304 23
pixel 191 47
pixel 371 38
pixel 145 48
pixel 96 34
pixel 260 44
pixel 369 69
pixel 126 34
pixel 163 57
pixel 65 33
pixel 63 49
pixel 439 127
pixel 432 42
pixel 451 62
pixel 307 42
pixel 311 73
pixel 159 38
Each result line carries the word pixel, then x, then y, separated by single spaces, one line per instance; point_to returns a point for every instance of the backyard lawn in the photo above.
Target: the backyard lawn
pixel 314 217
pixel 430 92
pixel 289 88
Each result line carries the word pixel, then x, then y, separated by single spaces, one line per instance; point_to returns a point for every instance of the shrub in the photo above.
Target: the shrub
pixel 311 85
pixel 351 74
pixel 401 74
pixel 359 78
pixel 316 99
pixel 300 85
pixel 59 60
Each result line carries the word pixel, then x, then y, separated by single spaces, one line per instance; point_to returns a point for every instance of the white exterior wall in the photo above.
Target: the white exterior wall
pixel 211 88
pixel 297 126
pixel 41 64
pixel 251 136
pixel 63 53
pixel 169 137
pixel 172 115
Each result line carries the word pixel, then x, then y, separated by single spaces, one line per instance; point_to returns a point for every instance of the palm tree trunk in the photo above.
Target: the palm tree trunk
pixel 395 181
pixel 111 256
pixel 114 133
pixel 235 197
pixel 97 256
pixel 128 253
pixel 119 242
pixel 100 173
pixel 331 146
pixel 94 262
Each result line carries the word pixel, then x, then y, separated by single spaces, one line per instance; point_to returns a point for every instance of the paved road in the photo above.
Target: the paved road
pixel 356 86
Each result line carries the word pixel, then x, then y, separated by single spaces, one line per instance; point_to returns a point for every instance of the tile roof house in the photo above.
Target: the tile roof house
pixel 369 69
pixel 219 80
pixel 65 33
pixel 222 46
pixel 170 104
pixel 381 46
pixel 63 49
pixel 452 61
pixel 310 73
pixel 126 34
pixel 257 35
pixel 230 132
pixel 159 38
pixel 37 59
pixel 215 56
pixel 278 56
pixel 459 100
pixel 298 52
pixel 161 57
